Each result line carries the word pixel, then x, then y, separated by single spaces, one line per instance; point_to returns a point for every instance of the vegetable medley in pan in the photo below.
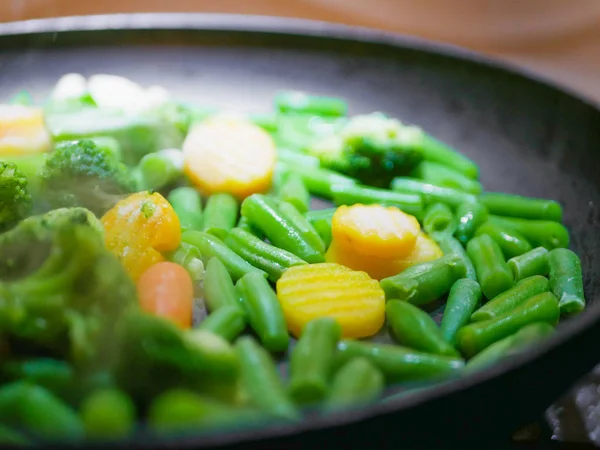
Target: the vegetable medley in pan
pixel 125 214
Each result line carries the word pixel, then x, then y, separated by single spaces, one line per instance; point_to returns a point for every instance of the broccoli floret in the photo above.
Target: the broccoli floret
pixel 15 199
pixel 17 263
pixel 79 173
pixel 61 290
pixel 64 216
pixel 371 148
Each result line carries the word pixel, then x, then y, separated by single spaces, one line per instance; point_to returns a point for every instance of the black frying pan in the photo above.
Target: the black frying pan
pixel 527 136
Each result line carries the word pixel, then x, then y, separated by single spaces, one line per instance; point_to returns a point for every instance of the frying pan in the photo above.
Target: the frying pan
pixel 528 137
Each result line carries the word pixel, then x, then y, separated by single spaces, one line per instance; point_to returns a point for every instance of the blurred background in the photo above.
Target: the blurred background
pixel 560 39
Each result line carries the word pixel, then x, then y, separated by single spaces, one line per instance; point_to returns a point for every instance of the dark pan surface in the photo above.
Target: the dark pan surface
pixel 528 138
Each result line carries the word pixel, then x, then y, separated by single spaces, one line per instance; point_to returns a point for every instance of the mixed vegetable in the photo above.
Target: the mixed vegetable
pixel 163 268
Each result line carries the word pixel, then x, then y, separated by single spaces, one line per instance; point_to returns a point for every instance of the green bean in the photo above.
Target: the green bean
pixel 317 180
pixel 348 194
pixel 272 260
pixel 425 282
pixel 511 243
pixel 302 225
pixel 356 383
pixel 296 158
pixel 187 203
pixel 264 312
pixel 227 322
pixel 214 355
pixel 509 205
pixel 189 257
pixel 431 193
pixel 451 245
pixel 219 290
pixel 311 362
pixel 515 343
pixel 244 224
pixel 463 298
pixel 439 219
pixel 221 212
pixel 534 262
pixel 157 170
pixel 264 212
pixel 476 336
pixel 317 214
pixel 323 227
pixel 41 413
pixel 540 233
pixel 510 299
pixel 399 363
pixel 294 191
pixel 178 410
pixel 298 102
pixel 566 281
pixel 414 328
pixel 436 151
pixel 443 176
pixel 492 271
pixel 469 216
pixel 279 174
pixel 261 380
pixel 267 122
pixel 212 247
pixel 108 414
pixel 294 131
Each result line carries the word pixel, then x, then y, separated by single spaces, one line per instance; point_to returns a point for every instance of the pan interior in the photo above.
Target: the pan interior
pixel 527 138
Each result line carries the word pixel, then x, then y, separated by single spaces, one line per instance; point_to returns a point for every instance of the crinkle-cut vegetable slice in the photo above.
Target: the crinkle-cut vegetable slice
pixel 375 230
pixel 229 155
pixel 139 228
pixel 424 250
pixel 22 130
pixel 355 300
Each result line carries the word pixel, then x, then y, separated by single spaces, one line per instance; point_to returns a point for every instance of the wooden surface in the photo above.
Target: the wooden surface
pixel 558 38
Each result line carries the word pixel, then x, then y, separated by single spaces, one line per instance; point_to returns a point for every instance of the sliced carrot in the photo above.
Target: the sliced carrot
pixel 166 290
pixel 22 130
pixel 355 300
pixel 424 250
pixel 375 230
pixel 229 155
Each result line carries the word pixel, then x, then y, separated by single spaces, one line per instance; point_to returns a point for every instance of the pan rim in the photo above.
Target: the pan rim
pixel 324 30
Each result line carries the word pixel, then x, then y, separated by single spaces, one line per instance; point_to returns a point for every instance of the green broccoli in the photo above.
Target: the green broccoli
pixel 31 166
pixel 80 173
pixel 16 199
pixel 61 290
pixel 64 216
pixel 371 148
pixel 137 134
pixel 17 263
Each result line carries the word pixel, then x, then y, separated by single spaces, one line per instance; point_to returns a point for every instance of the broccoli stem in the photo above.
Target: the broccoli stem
pixel 30 166
pixel 54 276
